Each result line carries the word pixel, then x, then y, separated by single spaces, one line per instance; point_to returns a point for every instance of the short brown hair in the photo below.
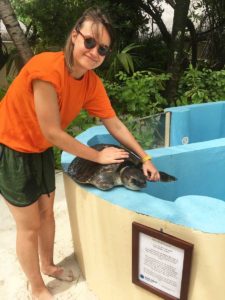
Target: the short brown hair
pixel 96 15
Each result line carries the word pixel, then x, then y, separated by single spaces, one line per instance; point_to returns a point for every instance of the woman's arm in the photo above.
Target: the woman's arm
pixel 47 111
pixel 123 135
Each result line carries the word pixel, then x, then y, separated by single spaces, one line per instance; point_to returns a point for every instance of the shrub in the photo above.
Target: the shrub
pixel 139 94
pixel 199 86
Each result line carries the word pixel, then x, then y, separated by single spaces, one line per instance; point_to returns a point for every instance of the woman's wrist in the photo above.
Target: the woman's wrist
pixel 146 158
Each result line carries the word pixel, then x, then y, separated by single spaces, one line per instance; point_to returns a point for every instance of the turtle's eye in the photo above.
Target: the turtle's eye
pixel 138 182
pixel 134 181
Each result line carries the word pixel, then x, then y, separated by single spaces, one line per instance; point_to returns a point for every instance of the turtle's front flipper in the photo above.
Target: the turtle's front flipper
pixel 164 177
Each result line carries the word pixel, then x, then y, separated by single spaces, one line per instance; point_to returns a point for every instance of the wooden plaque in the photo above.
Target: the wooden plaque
pixel 161 263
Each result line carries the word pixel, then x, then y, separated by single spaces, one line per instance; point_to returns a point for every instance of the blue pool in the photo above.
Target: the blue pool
pixel 196 200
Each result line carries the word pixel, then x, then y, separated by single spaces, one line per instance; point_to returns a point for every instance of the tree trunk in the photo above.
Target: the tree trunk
pixel 13 27
pixel 194 43
pixel 156 16
pixel 177 47
pixel 3 53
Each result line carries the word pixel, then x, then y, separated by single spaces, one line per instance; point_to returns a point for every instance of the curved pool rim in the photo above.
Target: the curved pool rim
pixel 195 201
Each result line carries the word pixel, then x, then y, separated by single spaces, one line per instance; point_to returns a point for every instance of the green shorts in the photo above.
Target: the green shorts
pixel 24 177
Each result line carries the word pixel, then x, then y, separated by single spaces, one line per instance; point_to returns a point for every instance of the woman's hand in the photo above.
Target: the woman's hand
pixel 112 155
pixel 150 171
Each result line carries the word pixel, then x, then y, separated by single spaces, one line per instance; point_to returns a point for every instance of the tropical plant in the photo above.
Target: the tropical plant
pixel 2 93
pixel 124 60
pixel 198 86
pixel 139 94
pixel 48 21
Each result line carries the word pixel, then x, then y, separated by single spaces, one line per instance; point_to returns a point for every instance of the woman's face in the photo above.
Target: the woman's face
pixel 87 59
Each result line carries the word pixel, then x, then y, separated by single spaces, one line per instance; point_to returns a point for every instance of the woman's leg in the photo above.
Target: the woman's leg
pixel 28 225
pixel 46 232
pixel 46 240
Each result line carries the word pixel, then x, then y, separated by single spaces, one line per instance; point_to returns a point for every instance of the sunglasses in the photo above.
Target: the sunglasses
pixel 90 43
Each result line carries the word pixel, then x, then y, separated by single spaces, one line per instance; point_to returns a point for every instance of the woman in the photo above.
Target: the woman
pixel 46 96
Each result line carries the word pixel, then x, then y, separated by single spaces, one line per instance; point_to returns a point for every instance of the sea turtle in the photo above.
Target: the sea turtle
pixel 128 173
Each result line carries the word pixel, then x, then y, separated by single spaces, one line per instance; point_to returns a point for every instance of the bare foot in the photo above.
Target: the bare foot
pixel 59 273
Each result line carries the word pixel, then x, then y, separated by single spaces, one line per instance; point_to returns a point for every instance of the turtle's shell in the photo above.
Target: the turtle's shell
pixel 101 176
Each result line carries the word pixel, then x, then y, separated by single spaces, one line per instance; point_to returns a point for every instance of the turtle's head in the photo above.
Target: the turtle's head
pixel 133 178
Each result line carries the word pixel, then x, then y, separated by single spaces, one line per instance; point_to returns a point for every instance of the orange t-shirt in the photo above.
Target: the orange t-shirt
pixel 19 127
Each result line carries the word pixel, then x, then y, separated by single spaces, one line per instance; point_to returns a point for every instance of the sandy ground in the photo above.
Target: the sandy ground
pixel 13 284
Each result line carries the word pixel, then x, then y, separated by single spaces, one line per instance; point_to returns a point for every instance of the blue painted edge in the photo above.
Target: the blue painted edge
pixel 190 106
